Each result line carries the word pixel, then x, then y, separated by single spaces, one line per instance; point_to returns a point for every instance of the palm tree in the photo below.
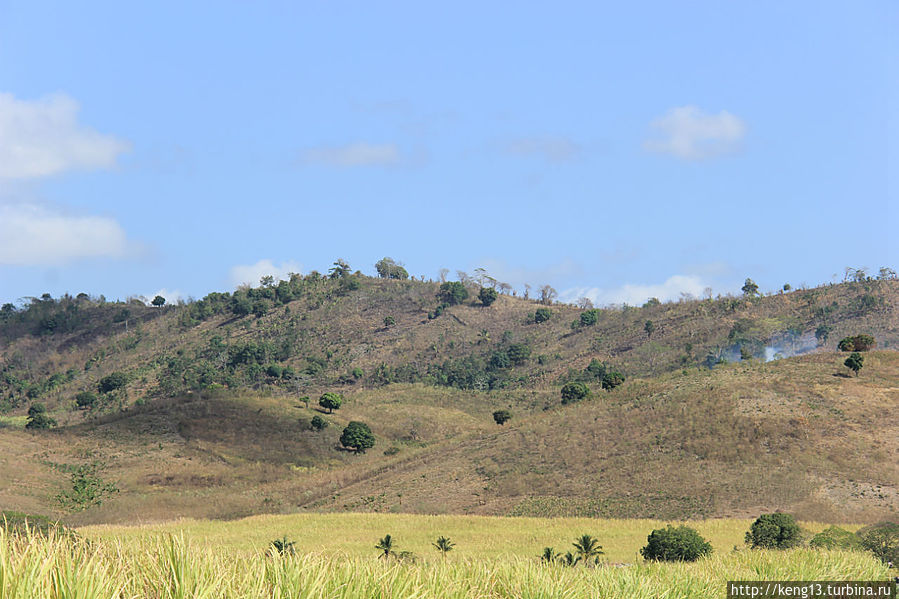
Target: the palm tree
pixel 385 546
pixel 283 546
pixel 549 556
pixel 587 547
pixel 570 560
pixel 443 544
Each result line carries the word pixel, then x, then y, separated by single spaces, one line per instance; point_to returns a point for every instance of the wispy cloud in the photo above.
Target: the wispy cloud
pixel 39 138
pixel 688 133
pixel 635 295
pixel 552 149
pixel 352 155
pixel 250 274
pixel 32 235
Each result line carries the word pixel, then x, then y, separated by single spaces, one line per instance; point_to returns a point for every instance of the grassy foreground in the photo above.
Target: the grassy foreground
pixel 494 557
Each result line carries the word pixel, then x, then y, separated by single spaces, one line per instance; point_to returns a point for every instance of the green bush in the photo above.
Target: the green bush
pixel 519 353
pixel 453 293
pixel 588 317
pixel 611 379
pixel 330 401
pixel 389 321
pixel 774 531
pixel 574 391
pixel 502 416
pixel 542 315
pixel 318 423
pixel 112 382
pixel 86 399
pixel 487 295
pixel 835 538
pixel 857 343
pixel 357 436
pixel 882 540
pixel 38 418
pixel 854 362
pixel 681 544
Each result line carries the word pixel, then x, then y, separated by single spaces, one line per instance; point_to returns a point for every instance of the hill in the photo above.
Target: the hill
pixel 210 420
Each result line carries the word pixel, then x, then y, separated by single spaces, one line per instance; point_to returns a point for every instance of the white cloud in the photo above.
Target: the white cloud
pixel 251 273
pixel 690 134
pixel 42 137
pixel 635 295
pixel 553 149
pixel 354 154
pixel 32 235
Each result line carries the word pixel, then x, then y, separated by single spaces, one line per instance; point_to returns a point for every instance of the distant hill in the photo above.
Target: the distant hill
pixel 209 418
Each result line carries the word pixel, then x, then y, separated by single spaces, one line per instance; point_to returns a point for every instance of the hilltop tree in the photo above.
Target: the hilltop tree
pixel 158 301
pixel 340 269
pixel 357 436
pixel 330 401
pixel 487 295
pixel 453 292
pixel 547 295
pixel 854 362
pixel 502 416
pixel 389 269
pixel 750 289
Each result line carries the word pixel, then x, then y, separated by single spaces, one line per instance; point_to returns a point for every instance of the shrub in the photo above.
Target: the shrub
pixel 283 546
pixel 882 540
pixel 835 538
pixel 487 295
pixel 330 401
pixel 574 391
pixel 502 416
pixel 857 343
pixel 357 436
pixel 612 379
pixel 389 321
pixel 588 317
pixel 854 362
pixel 774 531
pixel 681 544
pixel 86 399
pixel 112 382
pixel 388 268
pixel 452 292
pixel 542 315
pixel 318 423
pixel 38 418
pixel 519 352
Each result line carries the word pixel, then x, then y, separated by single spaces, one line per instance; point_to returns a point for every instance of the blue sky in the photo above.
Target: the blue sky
pixel 613 150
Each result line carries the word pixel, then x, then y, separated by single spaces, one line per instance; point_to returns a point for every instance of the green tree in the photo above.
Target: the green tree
pixel 854 362
pixel 318 423
pixel 112 382
pixel 38 418
pixel 158 301
pixel 386 547
pixel 650 328
pixel 587 548
pixel 835 537
pixel 589 317
pixel 86 399
pixel 882 540
pixel 750 289
pixel 443 545
pixel 612 379
pixel 487 295
pixel 774 531
pixel 519 353
pixel 857 343
pixel 502 416
pixel 452 292
pixel 549 555
pixel 357 436
pixel 330 401
pixel 340 269
pixel 574 391
pixel 388 268
pixel 542 315
pixel 681 544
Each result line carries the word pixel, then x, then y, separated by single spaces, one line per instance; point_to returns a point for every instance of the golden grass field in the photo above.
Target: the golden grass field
pixel 494 557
